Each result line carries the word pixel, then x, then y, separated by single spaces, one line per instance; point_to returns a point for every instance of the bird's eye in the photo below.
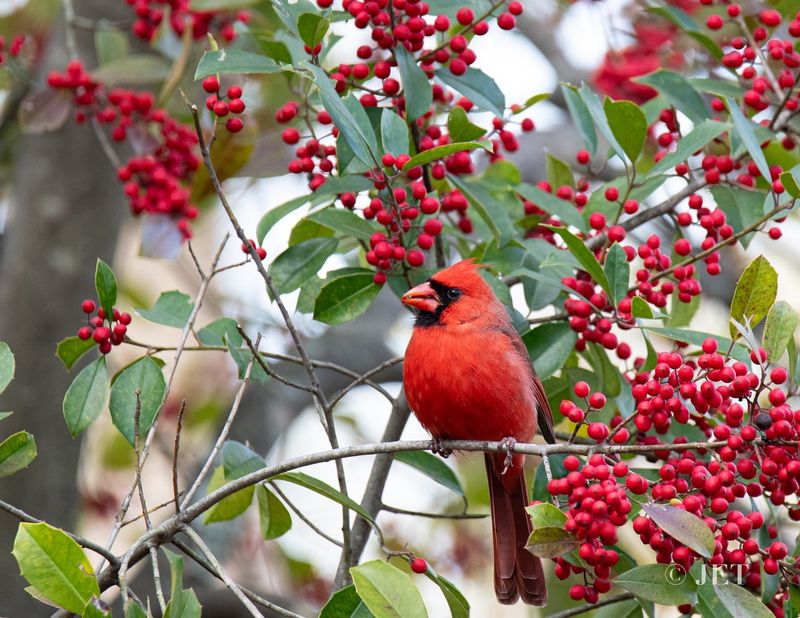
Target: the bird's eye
pixel 453 293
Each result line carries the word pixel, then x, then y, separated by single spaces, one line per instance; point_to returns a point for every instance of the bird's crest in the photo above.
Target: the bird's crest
pixel 461 274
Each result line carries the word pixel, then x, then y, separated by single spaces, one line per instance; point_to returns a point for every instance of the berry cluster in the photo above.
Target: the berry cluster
pixel 223 105
pixel 14 48
pixel 156 182
pixel 745 410
pixel 151 13
pixel 597 506
pixel 106 331
pixel 261 251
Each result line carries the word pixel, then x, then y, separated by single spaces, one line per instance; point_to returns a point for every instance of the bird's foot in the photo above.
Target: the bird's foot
pixel 438 449
pixel 508 443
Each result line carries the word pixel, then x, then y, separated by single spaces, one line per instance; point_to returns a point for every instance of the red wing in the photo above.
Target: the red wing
pixel 544 415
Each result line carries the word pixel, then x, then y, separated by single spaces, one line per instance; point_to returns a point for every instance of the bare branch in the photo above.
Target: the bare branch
pixel 223 574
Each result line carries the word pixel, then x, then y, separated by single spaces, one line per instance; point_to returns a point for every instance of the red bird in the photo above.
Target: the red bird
pixel 468 376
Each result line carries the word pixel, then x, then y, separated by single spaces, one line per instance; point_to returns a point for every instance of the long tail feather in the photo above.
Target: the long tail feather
pixel 517 572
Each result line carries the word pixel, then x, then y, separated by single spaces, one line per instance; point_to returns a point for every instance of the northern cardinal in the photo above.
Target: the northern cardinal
pixel 467 376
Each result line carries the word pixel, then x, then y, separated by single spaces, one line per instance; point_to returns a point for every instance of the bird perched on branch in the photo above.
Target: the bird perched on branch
pixel 468 376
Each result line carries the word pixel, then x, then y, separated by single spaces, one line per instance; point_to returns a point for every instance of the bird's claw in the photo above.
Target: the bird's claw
pixel 508 443
pixel 438 449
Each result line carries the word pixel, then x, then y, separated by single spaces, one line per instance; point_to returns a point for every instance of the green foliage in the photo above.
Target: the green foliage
pixel 683 526
pixel 755 293
pixel 71 349
pixel 17 451
pixel 345 297
pixel 182 603
pixel 171 309
pixel 106 285
pixel 55 566
pixel 274 518
pixel 660 583
pixel 86 396
pixel 140 387
pixel 432 467
pixel 387 591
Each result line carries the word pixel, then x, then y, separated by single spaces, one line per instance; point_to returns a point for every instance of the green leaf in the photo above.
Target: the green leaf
pixel 345 603
pixel 323 489
pixel 301 262
pixel 394 133
pixel 106 285
pixel 687 528
pixel 478 87
pixel 346 297
pixel 273 516
pixel 432 467
pixel 7 366
pixel 531 101
pixel 144 376
pixel 271 217
pixel 581 117
pixel 595 107
pixel 779 329
pixel 746 131
pixel 416 86
pixel 586 258
pixel 182 603
pixel 236 61
pixel 697 337
pixel 110 44
pixel 86 396
pixel 546 515
pixel 558 172
pixel 242 357
pixel 17 451
pixel 312 28
pixel 550 344
pixel 681 313
pixel 618 272
pixel 230 507
pixel 553 205
pixel 218 331
pixel 387 591
pixel 628 124
pixel 717 87
pixel 460 128
pixel 701 135
pixel 351 120
pixel 345 222
pixel 679 92
pixel 640 308
pixel 55 565
pixel 790 183
pixel 439 152
pixel 171 309
pixel 136 69
pixel 493 213
pixel 458 604
pixel 91 610
pixel 4 415
pixel 742 208
pixel 740 603
pixel 70 349
pixel 755 293
pixel 657 583
pixel 551 542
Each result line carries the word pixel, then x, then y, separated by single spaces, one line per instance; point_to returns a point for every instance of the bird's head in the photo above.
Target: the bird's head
pixel 456 294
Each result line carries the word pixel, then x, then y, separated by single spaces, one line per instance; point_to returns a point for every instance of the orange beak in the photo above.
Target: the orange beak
pixel 422 297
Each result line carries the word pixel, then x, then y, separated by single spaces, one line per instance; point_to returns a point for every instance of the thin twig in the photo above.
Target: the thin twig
pixel 137 415
pixel 574 611
pixel 249 593
pixel 324 409
pixel 187 329
pixel 175 451
pixel 267 369
pixel 302 516
pixel 223 574
pixel 399 511
pixel 223 435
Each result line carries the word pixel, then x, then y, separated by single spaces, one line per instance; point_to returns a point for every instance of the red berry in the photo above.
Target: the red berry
pixel 581 389
pixel 597 400
pixel 415 258
pixel 597 220
pixel 583 157
pixel 211 84
pixel 88 306
pixel 418 565
pixel 234 125
pixel 84 333
pixel 714 22
pixel 612 194
pixel 506 21
pixel 235 92
pixel 221 109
